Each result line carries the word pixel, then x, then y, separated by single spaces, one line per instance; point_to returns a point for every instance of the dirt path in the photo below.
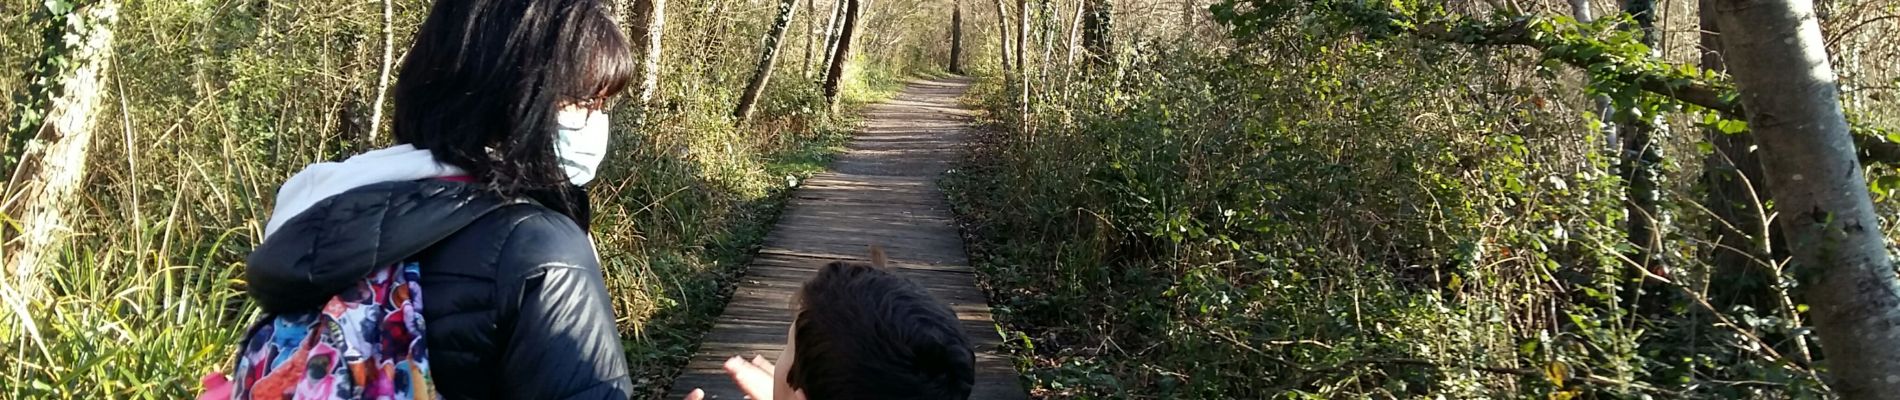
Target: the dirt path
pixel 882 191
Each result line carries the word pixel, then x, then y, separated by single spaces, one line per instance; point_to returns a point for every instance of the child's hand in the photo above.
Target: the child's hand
pixel 753 377
pixel 216 385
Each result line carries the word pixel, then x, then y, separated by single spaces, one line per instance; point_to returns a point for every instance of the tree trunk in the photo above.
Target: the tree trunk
pixel 1190 25
pixel 1022 64
pixel 831 35
pixel 811 22
pixel 1743 269
pixel 382 77
pixel 768 56
pixel 1853 69
pixel 1733 175
pixel 47 178
pixel 864 19
pixel 956 38
pixel 1097 23
pixel 1075 30
pixel 843 54
pixel 1022 38
pixel 1051 16
pixel 649 22
pixel 1581 10
pixel 1775 52
pixel 1002 33
pixel 1642 162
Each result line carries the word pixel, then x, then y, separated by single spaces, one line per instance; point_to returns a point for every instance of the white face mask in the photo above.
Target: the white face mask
pixel 581 142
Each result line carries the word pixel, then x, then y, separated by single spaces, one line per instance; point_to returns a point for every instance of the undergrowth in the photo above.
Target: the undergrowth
pixel 1319 216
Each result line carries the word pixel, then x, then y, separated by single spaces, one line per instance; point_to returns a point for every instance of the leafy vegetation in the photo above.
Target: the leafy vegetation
pixel 1243 199
pixel 1314 205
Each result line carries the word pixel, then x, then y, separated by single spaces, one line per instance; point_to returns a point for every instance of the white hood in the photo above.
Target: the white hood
pixel 321 180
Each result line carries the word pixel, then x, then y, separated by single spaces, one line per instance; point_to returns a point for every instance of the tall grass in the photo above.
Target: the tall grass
pixel 1329 217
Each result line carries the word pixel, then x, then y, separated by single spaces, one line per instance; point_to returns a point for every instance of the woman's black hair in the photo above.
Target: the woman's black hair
pixel 482 84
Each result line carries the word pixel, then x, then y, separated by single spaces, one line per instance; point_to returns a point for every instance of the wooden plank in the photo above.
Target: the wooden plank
pixel 881 191
pixel 840 248
pixel 865 232
pixel 871 219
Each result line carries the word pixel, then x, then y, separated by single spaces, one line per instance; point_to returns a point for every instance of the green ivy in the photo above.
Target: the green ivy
pixel 47 76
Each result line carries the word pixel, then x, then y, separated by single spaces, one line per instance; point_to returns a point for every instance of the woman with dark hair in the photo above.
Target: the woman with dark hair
pixel 500 116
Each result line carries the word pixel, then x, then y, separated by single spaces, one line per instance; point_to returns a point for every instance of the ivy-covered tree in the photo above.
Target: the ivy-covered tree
pixel 1098 24
pixel 768 57
pixel 1642 158
pixel 52 165
pixel 846 33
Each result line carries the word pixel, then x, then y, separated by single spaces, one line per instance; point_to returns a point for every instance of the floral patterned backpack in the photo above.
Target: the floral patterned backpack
pixel 365 343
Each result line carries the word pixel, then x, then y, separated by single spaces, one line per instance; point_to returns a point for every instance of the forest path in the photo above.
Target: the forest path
pixel 881 191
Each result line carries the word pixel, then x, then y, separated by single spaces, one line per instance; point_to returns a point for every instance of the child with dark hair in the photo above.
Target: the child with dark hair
pixel 863 332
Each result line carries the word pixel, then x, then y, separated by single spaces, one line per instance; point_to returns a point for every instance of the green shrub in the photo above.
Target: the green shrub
pixel 1317 216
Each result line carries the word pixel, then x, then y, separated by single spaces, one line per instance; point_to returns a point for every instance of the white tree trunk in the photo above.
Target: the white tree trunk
pixel 382 80
pixel 768 57
pixel 1581 10
pixel 1853 62
pixel 848 31
pixel 1022 60
pixel 649 23
pixel 53 166
pixel 1775 52
pixel 1075 29
pixel 1051 18
pixel 831 37
pixel 1002 32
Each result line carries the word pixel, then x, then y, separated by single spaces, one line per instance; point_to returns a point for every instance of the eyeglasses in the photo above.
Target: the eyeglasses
pixel 605 103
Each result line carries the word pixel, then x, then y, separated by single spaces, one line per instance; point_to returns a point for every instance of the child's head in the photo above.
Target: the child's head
pixel 863 332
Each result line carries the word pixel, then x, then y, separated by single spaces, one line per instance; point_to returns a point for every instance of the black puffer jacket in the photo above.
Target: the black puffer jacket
pixel 513 299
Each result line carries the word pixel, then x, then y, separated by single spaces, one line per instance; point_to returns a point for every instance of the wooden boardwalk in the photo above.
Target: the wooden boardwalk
pixel 883 192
